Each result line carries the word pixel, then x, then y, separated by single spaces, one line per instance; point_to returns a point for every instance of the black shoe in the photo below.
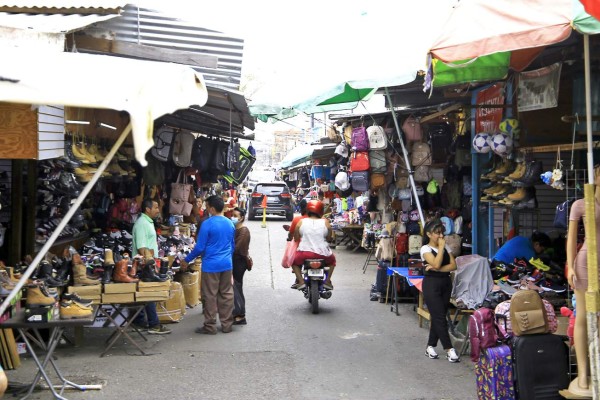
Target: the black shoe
pixel 74 297
pixel 205 331
pixel 241 321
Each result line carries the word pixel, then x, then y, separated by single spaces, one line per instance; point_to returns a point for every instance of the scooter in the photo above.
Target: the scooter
pixel 315 273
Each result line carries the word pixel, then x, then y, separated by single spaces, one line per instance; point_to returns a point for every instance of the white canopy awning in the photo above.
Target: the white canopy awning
pixel 145 89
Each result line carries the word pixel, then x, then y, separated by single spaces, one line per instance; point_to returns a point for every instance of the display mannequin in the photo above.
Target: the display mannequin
pixel 577 276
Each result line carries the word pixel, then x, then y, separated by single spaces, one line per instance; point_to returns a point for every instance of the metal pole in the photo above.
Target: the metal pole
pixel 406 160
pixel 592 302
pixel 86 190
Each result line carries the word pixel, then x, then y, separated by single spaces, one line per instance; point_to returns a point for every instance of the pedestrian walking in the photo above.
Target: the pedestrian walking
pixel 215 245
pixel 437 287
pixel 241 263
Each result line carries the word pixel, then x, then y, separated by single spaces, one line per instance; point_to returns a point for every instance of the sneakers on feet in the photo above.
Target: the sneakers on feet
pixel 159 330
pixel 430 352
pixel 452 356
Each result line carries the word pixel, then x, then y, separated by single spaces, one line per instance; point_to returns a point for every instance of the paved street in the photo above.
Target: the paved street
pixel 353 349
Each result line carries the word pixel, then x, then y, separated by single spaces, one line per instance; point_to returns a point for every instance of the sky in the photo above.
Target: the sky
pixel 296 50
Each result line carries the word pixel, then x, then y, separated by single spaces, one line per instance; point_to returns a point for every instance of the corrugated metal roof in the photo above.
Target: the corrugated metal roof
pixel 51 23
pixel 153 28
pixel 64 6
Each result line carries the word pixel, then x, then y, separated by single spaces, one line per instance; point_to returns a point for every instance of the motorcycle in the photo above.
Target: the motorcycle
pixel 315 273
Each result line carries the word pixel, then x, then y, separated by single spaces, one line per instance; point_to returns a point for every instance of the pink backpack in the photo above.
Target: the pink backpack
pixel 502 312
pixel 483 332
pixel 360 139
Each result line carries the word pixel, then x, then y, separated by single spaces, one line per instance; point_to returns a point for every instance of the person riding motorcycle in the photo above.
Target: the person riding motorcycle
pixel 313 233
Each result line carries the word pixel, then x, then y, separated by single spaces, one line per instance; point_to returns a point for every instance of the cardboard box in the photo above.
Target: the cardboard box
pixel 108 298
pixel 152 296
pixel 154 286
pixel 41 314
pixel 95 290
pixel 120 287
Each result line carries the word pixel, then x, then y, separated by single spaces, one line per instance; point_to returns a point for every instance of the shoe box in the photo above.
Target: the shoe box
pixel 118 297
pixel 42 314
pixel 159 295
pixel 154 286
pixel 119 288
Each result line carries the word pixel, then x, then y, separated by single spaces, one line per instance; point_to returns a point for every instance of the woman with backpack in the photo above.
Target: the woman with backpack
pixel 437 287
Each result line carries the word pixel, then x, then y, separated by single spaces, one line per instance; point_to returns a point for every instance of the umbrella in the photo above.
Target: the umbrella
pixel 498 39
pixel 592 7
pixel 479 28
pixel 296 156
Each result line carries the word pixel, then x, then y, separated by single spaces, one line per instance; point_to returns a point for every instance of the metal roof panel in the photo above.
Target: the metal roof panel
pixel 51 23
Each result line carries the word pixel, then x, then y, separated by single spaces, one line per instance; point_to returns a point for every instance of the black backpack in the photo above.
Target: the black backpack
pixel 202 153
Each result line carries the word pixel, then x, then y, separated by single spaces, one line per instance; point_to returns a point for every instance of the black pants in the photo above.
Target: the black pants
pixel 436 293
pixel 239 301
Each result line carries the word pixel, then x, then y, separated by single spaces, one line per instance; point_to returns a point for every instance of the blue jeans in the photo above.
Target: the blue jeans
pixel 148 313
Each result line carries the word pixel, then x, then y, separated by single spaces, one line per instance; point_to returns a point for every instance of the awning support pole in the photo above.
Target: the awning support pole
pixel 592 301
pixel 86 190
pixel 405 154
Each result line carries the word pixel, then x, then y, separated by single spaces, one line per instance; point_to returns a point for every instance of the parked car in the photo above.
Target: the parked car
pixel 279 200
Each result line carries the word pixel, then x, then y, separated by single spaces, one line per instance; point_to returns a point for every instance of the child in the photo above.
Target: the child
pixel 384 253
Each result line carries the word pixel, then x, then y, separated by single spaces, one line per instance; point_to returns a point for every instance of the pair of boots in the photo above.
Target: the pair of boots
pixel 45 273
pixel 38 295
pixel 148 272
pixel 80 277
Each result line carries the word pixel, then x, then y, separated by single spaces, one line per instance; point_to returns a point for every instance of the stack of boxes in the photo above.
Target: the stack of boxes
pixel 123 292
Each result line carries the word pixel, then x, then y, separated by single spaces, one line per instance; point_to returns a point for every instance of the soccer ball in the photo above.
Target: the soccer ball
pixel 481 142
pixel 502 144
pixel 510 126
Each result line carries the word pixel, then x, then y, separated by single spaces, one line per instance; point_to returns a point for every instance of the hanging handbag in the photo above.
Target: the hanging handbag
pixel 180 193
pixel 561 217
pixel 412 129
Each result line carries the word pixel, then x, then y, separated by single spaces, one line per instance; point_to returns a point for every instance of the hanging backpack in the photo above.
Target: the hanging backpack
pixel 203 151
pixel 360 181
pixel 413 228
pixel 163 139
pixel 422 174
pixel 483 332
pixel 440 136
pixel 412 129
pixel 402 243
pixel 360 139
pixel 528 313
pixel 245 163
pixel 181 149
pixel 251 150
pixel 154 172
pixel 233 156
pixel 377 181
pixel 377 161
pixel 415 242
pixel 219 164
pixel 360 161
pixel 420 154
pixel 448 225
pixel 377 138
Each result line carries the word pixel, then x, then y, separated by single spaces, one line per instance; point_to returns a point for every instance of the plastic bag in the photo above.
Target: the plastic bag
pixel 289 254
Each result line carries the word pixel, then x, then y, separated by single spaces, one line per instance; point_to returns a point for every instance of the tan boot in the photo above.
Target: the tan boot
pixel 71 309
pixel 36 298
pixel 80 277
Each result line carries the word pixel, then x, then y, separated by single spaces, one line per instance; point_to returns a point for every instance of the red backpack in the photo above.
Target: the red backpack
pixel 483 332
pixel 402 243
pixel 359 161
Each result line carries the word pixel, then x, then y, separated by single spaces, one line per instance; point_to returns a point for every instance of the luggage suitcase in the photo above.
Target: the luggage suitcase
pixel 494 374
pixel 541 366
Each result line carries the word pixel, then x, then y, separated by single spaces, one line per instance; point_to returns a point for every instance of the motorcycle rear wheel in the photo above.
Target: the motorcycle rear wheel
pixel 314 297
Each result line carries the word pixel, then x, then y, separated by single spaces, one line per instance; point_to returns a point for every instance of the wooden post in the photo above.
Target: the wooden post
pixel 16 225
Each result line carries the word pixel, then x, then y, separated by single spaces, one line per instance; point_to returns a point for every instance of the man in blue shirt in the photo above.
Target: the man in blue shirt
pixel 522 247
pixel 215 244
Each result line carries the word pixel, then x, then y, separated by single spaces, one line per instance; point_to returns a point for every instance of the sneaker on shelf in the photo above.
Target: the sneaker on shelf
pixel 539 264
pixel 430 352
pixel 549 286
pixel 452 356
pixel 515 277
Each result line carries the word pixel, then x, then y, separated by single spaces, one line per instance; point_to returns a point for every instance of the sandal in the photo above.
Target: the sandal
pixel 328 286
pixel 294 286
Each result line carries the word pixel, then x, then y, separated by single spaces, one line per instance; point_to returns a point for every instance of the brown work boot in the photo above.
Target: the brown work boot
pixel 120 274
pixel 37 298
pixel 71 309
pixel 80 277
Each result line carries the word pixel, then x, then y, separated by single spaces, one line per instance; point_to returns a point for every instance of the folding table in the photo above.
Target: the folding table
pixel 118 309
pixel 396 273
pixel 30 334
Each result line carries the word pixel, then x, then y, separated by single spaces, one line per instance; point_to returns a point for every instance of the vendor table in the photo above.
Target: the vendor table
pixel 396 273
pixel 121 327
pixel 29 331
pixel 352 235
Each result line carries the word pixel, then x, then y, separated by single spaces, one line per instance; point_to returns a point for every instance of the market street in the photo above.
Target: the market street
pixel 354 349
